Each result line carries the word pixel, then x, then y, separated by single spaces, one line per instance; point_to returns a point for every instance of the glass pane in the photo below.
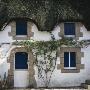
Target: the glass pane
pixel 21 60
pixel 66 59
pixel 69 28
pixel 21 27
pixel 72 59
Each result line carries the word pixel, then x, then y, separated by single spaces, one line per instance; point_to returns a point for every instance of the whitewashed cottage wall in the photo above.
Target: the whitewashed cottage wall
pixel 58 79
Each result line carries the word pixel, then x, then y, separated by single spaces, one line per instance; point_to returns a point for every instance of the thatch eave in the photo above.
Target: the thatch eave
pixel 46 14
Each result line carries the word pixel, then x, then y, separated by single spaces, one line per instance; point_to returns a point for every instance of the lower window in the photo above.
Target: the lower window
pixel 69 60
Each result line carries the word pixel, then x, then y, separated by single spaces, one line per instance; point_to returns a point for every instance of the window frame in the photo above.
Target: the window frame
pixel 21 37
pixel 69 67
pixel 79 55
pixel 78 33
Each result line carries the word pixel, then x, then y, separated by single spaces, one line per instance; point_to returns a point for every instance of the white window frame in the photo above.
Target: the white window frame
pixel 68 36
pixel 21 35
pixel 69 64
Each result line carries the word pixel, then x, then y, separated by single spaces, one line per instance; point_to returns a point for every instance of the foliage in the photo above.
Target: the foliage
pixel 53 44
pixel 4 83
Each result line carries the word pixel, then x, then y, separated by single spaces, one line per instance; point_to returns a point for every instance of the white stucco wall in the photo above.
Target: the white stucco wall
pixel 40 36
pixel 4 37
pixel 58 79
pixel 44 35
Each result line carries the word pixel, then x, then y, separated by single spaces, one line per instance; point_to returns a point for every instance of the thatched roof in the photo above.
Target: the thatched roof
pixel 45 13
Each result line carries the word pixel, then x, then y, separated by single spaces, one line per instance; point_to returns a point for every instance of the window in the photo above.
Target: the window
pixel 69 59
pixel 69 29
pixel 21 60
pixel 21 27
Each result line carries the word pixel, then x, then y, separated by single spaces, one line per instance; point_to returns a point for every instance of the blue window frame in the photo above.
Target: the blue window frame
pixel 69 59
pixel 21 60
pixel 21 27
pixel 69 28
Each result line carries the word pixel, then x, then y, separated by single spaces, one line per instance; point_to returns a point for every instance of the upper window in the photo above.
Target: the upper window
pixel 21 59
pixel 69 59
pixel 69 29
pixel 21 27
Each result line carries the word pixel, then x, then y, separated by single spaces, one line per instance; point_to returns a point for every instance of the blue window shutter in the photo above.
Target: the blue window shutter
pixel 21 60
pixel 72 59
pixel 66 59
pixel 69 28
pixel 21 27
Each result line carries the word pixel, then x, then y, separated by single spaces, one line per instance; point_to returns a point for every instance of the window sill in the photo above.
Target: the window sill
pixel 21 35
pixel 69 67
pixel 21 70
pixel 69 36
pixel 70 70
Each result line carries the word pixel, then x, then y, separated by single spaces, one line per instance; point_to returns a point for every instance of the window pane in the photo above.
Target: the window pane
pixel 21 60
pixel 66 59
pixel 72 59
pixel 69 28
pixel 21 27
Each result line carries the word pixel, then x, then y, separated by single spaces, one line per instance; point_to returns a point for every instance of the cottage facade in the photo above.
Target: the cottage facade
pixel 72 64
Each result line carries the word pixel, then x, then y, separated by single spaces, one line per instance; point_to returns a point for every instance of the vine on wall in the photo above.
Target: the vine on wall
pixel 45 53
